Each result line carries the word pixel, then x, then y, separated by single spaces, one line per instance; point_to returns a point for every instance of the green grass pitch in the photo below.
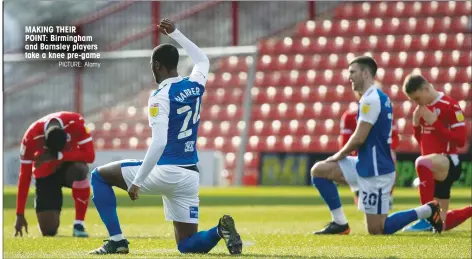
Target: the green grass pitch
pixel 274 222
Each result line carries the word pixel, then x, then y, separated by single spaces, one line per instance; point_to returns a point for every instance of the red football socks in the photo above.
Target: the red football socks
pixel 426 186
pixel 81 197
pixel 456 217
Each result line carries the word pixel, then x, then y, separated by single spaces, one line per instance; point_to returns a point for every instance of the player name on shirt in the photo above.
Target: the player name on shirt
pixel 186 93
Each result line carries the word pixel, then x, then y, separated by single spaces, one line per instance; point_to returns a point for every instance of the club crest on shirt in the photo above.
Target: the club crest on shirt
pixel 459 116
pixel 365 108
pixel 153 110
pixel 437 111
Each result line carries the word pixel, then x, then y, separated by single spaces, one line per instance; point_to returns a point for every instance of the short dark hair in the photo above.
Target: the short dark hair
pixel 413 83
pixel 366 62
pixel 55 138
pixel 167 55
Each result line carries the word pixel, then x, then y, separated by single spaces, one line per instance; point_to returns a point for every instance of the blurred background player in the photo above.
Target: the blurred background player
pixel 55 150
pixel 348 125
pixel 373 170
pixel 169 167
pixel 439 128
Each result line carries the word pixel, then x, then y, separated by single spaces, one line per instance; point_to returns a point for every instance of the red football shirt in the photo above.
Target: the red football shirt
pixel 349 124
pixel 448 133
pixel 79 147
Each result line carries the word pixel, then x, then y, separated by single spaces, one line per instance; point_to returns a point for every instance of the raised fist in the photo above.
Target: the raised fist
pixel 166 26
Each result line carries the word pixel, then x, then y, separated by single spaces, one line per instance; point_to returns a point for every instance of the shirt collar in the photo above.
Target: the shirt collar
pixel 441 94
pixel 170 81
pixel 370 89
pixel 49 120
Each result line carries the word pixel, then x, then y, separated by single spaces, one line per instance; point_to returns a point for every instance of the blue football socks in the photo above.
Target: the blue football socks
pixel 328 191
pixel 398 220
pixel 201 242
pixel 105 201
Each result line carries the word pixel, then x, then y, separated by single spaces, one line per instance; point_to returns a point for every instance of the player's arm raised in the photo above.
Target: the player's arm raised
pixel 455 132
pixel 368 115
pixel 202 64
pixel 159 122
pixel 24 181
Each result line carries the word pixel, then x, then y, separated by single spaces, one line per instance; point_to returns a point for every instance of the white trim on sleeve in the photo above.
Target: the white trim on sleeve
pixel 26 161
pixel 84 141
pixel 457 125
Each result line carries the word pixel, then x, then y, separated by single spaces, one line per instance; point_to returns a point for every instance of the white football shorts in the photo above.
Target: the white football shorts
pixel 374 192
pixel 178 187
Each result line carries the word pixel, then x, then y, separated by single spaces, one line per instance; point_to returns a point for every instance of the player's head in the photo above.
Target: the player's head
pixel 164 60
pixel 418 90
pixel 55 136
pixel 362 71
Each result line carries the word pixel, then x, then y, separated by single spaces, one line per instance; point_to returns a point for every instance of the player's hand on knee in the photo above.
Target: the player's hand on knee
pixel 166 26
pixel 330 159
pixel 335 158
pixel 133 192
pixel 19 224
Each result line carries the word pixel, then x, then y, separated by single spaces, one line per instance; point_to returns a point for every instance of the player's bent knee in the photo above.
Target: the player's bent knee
pixel 318 169
pixel 96 173
pixel 109 174
pixel 96 177
pixel 375 223
pixel 49 229
pixel 49 233
pixel 81 171
pixel 375 231
pixel 423 161
pixel 313 170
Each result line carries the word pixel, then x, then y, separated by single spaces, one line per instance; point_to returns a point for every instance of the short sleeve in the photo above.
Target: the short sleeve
pixel 369 109
pixel 158 108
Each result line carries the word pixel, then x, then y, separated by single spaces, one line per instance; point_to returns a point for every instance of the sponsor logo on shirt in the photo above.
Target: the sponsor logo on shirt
pixel 189 146
pixel 153 110
pixel 365 108
pixel 193 212
pixel 459 116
